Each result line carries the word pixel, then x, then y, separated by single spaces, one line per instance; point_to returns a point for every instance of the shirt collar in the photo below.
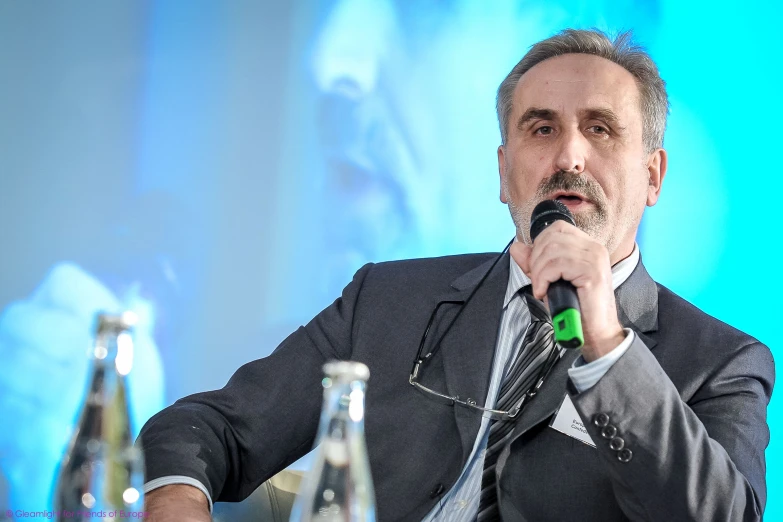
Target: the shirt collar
pixel 620 272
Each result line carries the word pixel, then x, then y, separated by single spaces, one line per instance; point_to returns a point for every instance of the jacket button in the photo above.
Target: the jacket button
pixel 609 432
pixel 601 420
pixel 617 443
pixel 436 491
pixel 625 455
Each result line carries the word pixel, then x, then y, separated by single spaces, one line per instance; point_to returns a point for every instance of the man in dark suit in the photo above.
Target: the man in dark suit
pixel 664 406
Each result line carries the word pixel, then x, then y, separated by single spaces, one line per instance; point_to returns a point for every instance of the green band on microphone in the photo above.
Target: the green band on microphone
pixel 568 328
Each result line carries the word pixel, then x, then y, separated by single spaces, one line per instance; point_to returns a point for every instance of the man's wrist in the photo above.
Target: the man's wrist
pixel 177 503
pixel 597 349
pixel 585 375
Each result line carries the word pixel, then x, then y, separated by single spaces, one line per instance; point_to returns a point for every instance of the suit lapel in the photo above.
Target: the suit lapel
pixel 637 304
pixel 469 346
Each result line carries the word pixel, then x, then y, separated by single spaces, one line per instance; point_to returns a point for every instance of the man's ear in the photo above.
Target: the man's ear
pixel 656 170
pixel 502 173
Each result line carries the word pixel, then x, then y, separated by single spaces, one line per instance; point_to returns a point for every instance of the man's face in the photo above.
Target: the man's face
pixel 575 134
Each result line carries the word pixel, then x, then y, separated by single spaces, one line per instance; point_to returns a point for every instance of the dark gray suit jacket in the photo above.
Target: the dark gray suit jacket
pixel 688 399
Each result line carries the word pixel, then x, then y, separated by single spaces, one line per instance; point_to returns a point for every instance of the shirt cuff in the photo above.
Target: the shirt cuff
pixel 177 479
pixel 585 374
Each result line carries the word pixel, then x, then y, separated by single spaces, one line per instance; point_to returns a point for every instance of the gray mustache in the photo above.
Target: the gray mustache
pixel 570 182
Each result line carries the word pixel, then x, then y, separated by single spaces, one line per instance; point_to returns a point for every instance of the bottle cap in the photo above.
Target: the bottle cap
pixel 347 369
pixel 116 322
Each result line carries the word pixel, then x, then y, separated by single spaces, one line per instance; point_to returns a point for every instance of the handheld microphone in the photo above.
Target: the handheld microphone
pixel 563 302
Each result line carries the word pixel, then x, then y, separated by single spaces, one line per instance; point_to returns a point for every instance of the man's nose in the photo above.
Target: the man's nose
pixel 571 152
pixel 354 40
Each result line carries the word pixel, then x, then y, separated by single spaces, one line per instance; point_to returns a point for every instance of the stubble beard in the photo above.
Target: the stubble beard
pixel 592 221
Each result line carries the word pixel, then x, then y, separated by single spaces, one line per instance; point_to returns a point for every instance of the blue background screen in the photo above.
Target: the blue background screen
pixel 223 168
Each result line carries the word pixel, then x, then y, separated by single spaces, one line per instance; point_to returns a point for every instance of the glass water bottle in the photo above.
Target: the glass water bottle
pixel 339 487
pixel 102 474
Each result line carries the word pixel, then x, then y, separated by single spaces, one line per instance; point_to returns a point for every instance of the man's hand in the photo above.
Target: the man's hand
pixel 177 503
pixel 563 251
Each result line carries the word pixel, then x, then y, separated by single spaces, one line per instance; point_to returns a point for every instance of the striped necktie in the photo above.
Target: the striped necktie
pixel 537 346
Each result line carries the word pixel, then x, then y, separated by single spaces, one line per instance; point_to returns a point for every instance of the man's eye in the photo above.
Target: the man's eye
pixel 544 129
pixel 598 129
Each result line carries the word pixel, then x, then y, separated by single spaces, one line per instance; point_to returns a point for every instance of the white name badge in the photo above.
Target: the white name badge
pixel 567 421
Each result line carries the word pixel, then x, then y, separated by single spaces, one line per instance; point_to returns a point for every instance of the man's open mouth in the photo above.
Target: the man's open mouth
pixel 572 199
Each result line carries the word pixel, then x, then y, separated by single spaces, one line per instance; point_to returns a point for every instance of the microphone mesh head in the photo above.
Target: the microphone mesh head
pixel 546 213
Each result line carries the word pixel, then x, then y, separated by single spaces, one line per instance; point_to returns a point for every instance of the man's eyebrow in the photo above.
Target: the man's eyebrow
pixel 601 113
pixel 535 113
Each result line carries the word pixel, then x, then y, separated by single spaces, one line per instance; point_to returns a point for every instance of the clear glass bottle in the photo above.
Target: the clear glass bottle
pixel 101 475
pixel 339 487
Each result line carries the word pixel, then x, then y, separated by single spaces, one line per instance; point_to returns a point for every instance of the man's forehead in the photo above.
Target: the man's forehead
pixel 576 79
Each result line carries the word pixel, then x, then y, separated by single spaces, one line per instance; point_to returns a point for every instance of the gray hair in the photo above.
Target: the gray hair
pixel 622 51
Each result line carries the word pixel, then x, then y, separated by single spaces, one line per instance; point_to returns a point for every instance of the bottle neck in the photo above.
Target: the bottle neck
pixel 343 412
pixel 113 350
pixel 342 419
pixel 107 397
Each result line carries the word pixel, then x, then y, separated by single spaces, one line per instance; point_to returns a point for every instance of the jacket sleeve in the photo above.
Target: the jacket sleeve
pixel 265 418
pixel 672 460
